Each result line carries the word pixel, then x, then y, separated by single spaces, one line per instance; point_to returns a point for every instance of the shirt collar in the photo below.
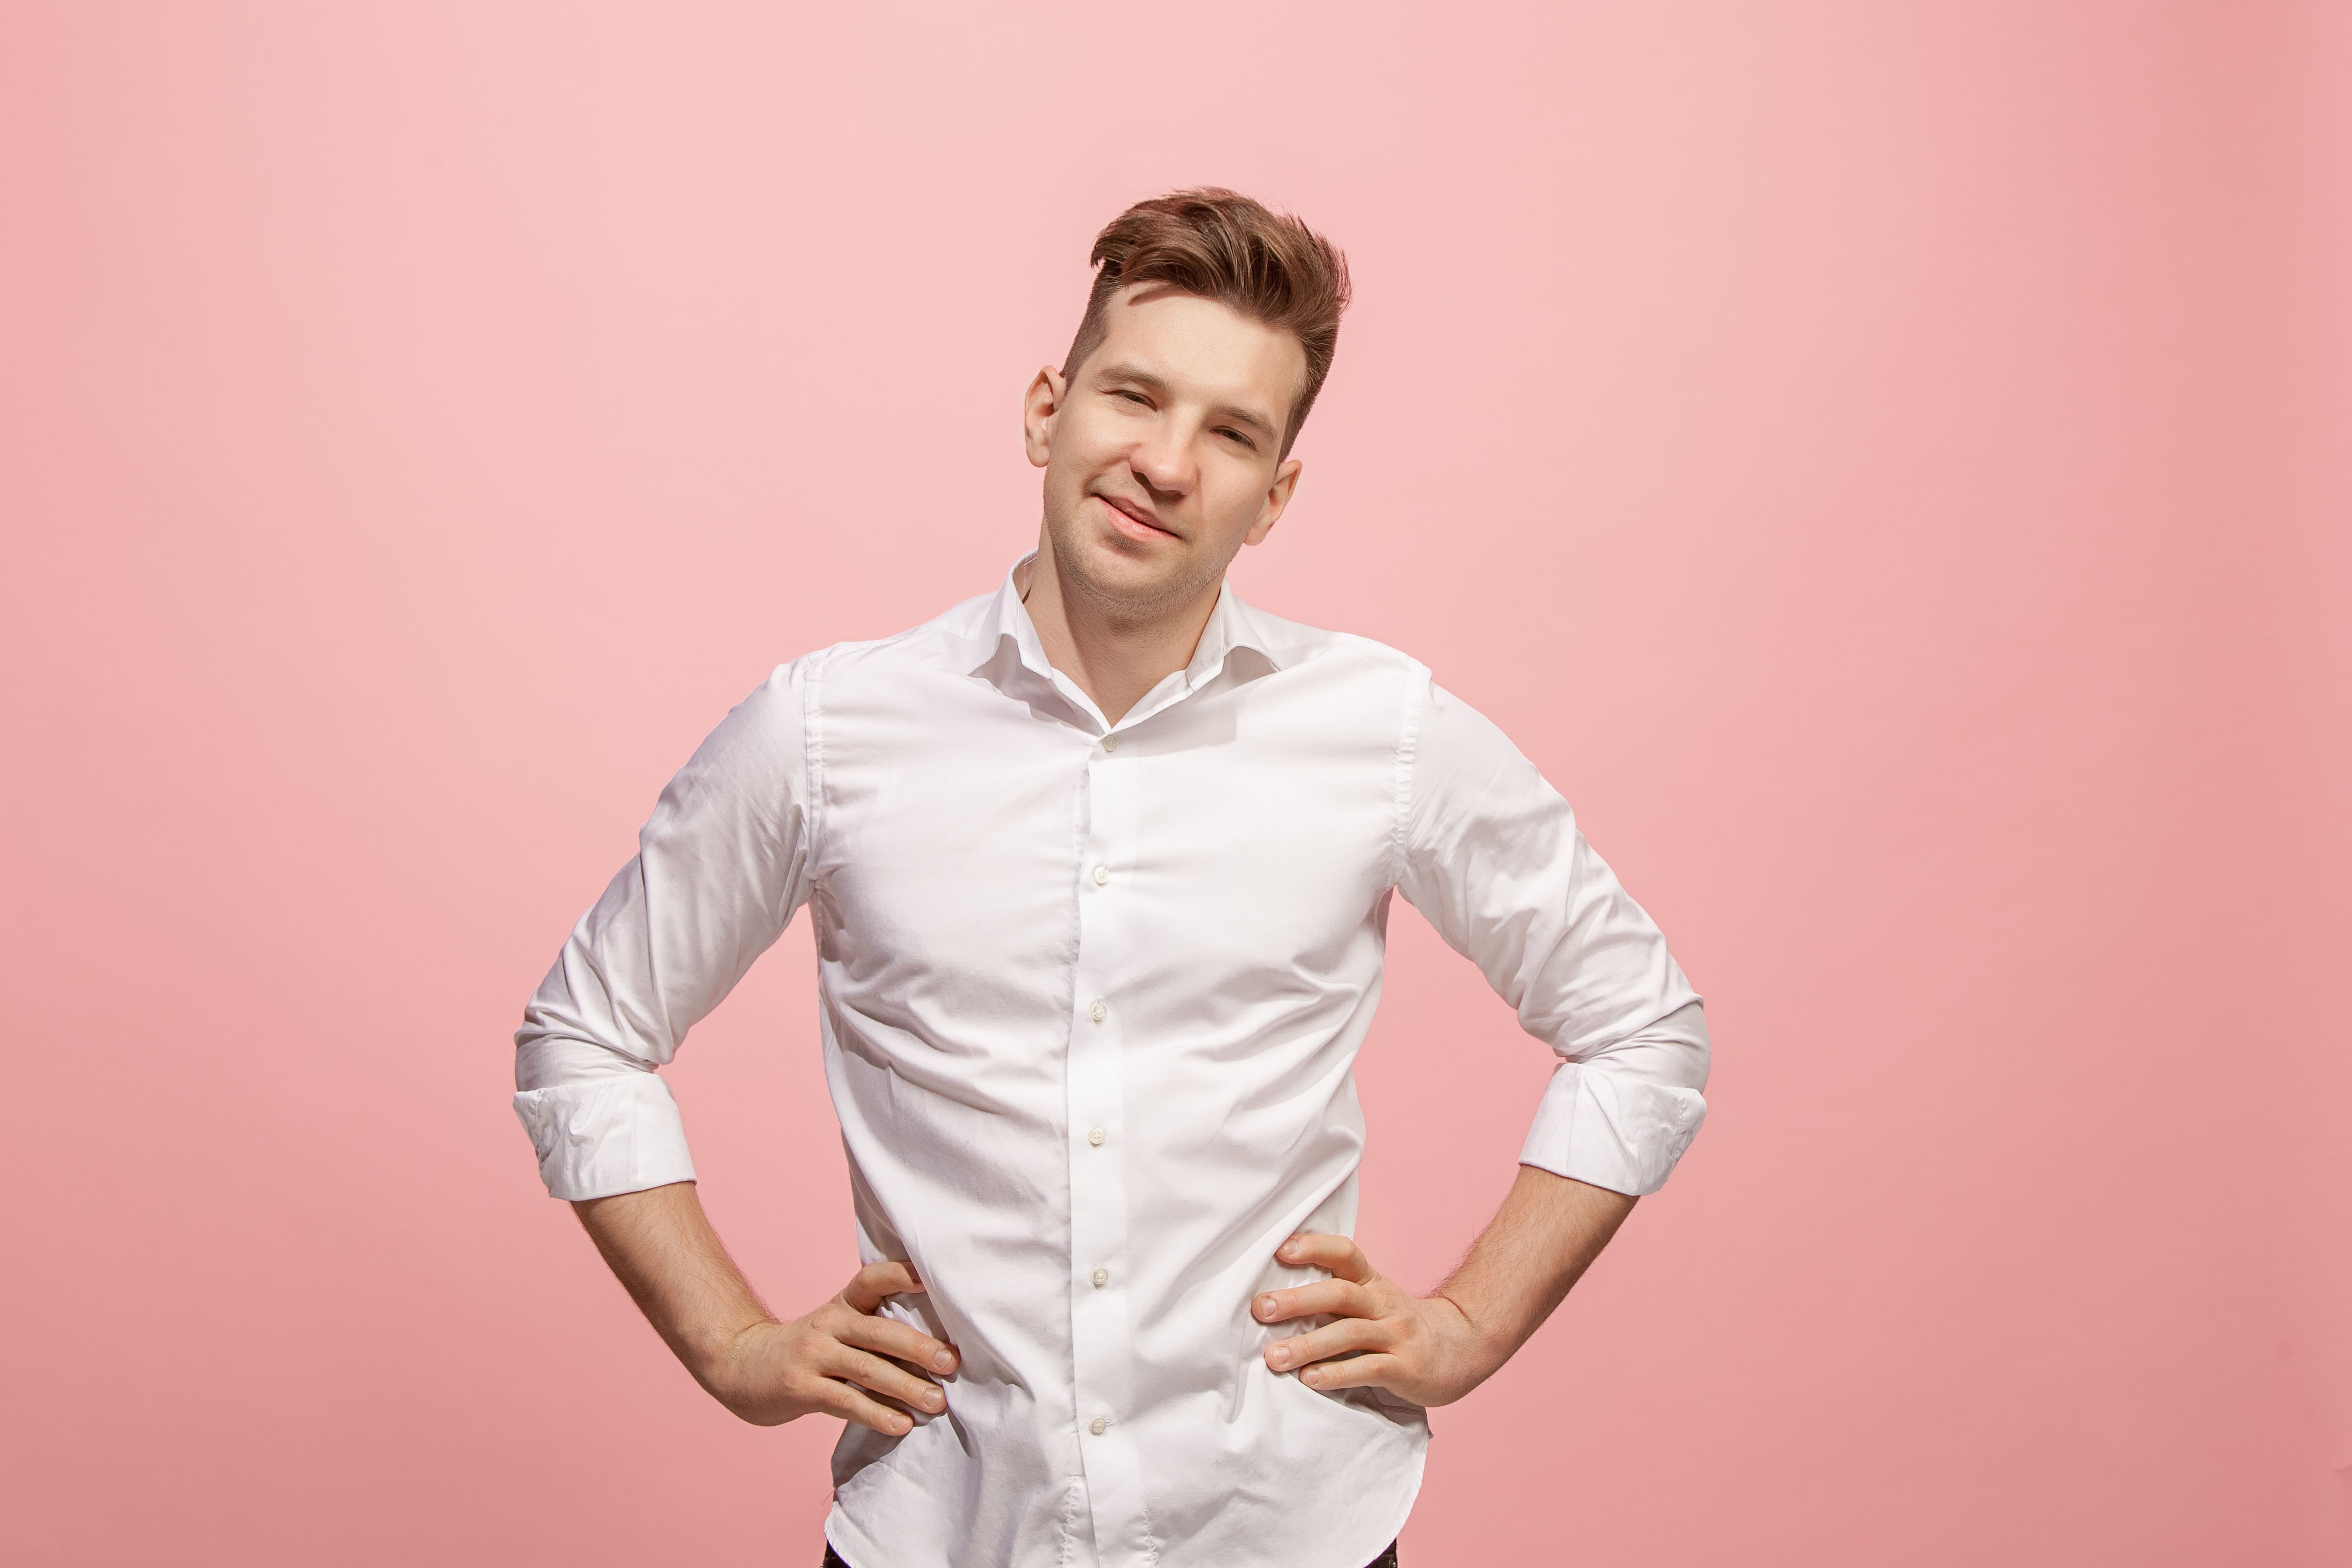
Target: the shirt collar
pixel 1232 626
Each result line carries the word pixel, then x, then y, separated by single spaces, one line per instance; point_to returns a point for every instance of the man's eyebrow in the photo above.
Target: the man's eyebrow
pixel 1117 371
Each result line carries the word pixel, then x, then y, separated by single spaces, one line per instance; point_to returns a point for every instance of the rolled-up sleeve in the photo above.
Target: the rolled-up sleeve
pixel 719 869
pixel 1492 857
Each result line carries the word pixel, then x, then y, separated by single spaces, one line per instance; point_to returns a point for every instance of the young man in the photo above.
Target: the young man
pixel 1100 866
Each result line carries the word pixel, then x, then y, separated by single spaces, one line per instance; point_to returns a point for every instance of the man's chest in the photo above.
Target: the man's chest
pixel 1244 836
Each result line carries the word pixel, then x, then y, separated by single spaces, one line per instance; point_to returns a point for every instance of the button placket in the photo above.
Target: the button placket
pixel 1102 1346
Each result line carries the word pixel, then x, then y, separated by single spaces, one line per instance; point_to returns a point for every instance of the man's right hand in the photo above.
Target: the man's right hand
pixel 841 1359
pixel 835 1359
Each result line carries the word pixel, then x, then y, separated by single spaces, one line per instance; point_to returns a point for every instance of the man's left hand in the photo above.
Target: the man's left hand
pixel 1420 1348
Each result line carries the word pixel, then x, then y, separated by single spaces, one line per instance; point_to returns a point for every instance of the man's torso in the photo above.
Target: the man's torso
pixel 1090 1001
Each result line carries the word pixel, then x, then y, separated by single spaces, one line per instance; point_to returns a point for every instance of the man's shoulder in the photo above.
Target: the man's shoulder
pixel 943 637
pixel 1295 645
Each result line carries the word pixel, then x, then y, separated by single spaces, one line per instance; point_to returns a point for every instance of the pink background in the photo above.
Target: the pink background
pixel 1887 463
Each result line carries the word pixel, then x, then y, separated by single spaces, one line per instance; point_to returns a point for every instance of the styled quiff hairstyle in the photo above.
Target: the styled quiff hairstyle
pixel 1226 248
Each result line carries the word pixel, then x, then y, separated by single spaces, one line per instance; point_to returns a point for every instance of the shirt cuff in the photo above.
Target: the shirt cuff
pixel 1612 1131
pixel 612 1136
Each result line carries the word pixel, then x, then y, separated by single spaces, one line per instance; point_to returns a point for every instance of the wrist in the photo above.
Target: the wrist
pixel 719 1354
pixel 1486 1344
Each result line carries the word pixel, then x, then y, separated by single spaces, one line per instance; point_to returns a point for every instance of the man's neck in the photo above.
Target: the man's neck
pixel 1113 660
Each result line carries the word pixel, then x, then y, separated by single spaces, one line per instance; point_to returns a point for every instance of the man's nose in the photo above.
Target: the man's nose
pixel 1164 461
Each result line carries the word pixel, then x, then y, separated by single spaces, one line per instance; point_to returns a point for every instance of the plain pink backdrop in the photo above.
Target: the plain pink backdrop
pixel 1887 462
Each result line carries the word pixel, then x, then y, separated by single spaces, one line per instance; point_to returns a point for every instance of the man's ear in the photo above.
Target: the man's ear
pixel 1038 406
pixel 1286 483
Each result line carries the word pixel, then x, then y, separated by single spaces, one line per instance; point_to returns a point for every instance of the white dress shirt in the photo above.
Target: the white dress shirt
pixel 1090 996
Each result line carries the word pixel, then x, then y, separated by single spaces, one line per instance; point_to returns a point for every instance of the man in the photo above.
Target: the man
pixel 1099 867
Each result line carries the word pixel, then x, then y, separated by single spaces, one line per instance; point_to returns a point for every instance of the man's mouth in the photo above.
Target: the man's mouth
pixel 1132 519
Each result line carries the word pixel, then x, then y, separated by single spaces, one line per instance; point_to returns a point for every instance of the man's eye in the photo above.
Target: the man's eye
pixel 1137 398
pixel 1235 435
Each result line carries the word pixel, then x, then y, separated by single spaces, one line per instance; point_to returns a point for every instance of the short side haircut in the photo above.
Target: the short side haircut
pixel 1226 248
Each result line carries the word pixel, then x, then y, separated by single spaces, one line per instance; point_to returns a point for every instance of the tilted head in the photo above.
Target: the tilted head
pixel 1165 434
pixel 1216 244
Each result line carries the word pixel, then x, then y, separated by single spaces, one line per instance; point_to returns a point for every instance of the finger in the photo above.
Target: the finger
pixel 1332 1339
pixel 889 1336
pixel 870 1284
pixel 1338 1253
pixel 1354 1371
pixel 1342 1297
pixel 885 1378
pixel 852 1404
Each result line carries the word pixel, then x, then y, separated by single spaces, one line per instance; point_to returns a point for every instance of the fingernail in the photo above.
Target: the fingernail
pixel 1265 1306
pixel 944 1361
pixel 1279 1355
pixel 1311 1377
pixel 933 1399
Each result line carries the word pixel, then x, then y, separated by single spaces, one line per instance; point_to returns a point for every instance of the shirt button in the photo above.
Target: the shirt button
pixel 1095 1135
pixel 1099 1012
pixel 1097 1426
pixel 1110 743
pixel 1102 874
pixel 1101 1277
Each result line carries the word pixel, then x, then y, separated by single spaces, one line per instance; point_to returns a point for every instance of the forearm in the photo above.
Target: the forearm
pixel 662 1246
pixel 1546 1233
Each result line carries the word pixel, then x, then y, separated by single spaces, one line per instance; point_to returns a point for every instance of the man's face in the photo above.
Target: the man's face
pixel 1161 452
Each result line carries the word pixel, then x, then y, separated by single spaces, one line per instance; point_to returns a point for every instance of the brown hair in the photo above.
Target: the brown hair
pixel 1225 247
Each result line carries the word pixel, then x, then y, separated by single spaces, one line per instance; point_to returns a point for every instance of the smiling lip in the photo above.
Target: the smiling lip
pixel 1136 522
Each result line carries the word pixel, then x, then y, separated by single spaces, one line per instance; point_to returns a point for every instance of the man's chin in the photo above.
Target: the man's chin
pixel 1133 576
